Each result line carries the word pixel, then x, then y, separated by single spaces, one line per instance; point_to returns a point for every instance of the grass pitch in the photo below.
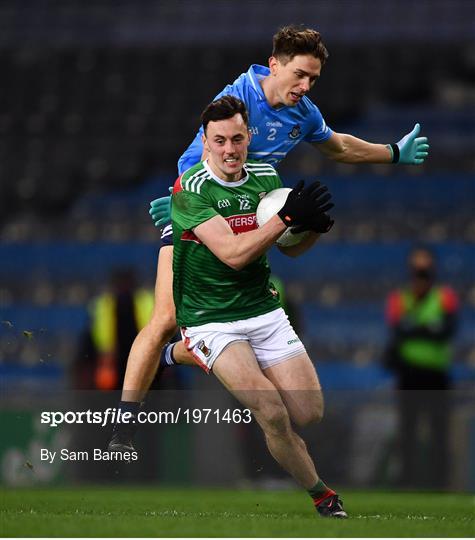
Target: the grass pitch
pixel 162 512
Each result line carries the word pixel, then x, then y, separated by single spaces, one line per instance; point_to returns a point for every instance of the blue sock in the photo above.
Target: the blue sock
pixel 166 357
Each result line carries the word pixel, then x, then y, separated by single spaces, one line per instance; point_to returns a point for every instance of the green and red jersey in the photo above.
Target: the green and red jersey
pixel 205 289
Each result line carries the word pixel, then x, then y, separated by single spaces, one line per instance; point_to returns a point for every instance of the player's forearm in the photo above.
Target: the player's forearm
pixel 246 247
pixel 301 247
pixel 354 150
pixel 238 250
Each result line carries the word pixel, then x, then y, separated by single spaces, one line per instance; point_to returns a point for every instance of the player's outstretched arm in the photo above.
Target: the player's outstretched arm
pixel 410 150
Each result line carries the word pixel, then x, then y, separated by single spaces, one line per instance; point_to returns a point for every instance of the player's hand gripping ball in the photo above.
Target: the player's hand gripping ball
pixel 268 207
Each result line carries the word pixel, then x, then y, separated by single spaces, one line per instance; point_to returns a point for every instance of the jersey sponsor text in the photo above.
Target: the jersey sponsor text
pixel 242 223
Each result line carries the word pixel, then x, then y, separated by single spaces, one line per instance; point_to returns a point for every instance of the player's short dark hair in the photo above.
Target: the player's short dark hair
pixel 293 40
pixel 222 109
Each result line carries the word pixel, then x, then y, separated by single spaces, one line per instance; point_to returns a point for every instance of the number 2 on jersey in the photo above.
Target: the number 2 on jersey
pixel 271 136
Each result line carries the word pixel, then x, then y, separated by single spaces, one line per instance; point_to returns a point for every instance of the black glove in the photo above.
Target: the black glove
pixel 305 208
pixel 323 223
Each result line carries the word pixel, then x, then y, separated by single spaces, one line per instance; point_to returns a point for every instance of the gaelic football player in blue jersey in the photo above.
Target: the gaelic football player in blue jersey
pixel 280 117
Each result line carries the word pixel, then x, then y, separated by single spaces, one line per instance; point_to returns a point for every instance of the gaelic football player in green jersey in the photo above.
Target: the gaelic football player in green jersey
pixel 230 318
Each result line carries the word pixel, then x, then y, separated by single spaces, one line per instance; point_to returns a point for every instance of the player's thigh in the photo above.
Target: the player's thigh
pixel 237 369
pixel 298 384
pixel 164 308
pixel 296 373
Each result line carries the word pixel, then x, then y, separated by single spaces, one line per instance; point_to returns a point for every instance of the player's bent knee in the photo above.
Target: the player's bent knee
pixel 312 415
pixel 315 416
pixel 274 419
pixel 157 334
pixel 164 325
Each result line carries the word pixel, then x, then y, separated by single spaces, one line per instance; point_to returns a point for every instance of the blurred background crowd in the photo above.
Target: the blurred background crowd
pixel 99 99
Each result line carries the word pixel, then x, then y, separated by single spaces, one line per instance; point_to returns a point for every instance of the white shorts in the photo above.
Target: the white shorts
pixel 271 337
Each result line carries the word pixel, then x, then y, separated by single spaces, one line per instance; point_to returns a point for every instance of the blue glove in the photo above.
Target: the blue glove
pixel 411 149
pixel 161 209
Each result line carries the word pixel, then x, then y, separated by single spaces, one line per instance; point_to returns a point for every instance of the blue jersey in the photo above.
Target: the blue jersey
pixel 274 131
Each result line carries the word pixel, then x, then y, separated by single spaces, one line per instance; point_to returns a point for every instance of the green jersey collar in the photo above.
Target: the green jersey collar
pixel 221 182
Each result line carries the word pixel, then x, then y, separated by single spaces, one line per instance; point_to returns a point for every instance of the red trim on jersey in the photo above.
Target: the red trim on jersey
pixel 190 350
pixel 450 301
pixel 394 308
pixel 190 236
pixel 177 185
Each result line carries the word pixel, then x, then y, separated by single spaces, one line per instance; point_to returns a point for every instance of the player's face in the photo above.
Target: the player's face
pixel 227 142
pixel 294 79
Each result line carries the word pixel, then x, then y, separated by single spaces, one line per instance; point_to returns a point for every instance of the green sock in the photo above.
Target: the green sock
pixel 320 491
